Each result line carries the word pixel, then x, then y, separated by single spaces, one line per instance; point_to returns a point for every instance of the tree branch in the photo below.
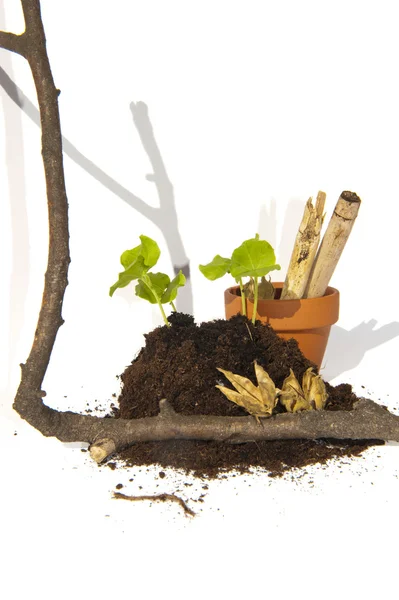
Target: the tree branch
pixel 28 401
pixel 366 421
pixel 12 42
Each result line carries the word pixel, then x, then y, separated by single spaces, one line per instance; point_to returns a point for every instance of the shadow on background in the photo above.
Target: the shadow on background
pixel 292 219
pixel 346 348
pixel 164 216
pixel 20 267
pixel 267 228
pixel 267 223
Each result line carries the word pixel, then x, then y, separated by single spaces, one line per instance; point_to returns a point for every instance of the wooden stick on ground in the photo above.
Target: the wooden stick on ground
pixel 305 248
pixel 367 420
pixel 333 243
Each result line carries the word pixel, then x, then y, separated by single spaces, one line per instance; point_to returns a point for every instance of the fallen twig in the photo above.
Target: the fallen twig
pixel 366 421
pixel 158 498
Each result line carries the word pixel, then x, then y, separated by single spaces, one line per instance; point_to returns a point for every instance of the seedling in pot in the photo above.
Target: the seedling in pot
pixel 254 258
pixel 157 288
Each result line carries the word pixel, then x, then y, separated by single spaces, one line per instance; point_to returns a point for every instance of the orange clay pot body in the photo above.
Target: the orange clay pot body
pixel 307 320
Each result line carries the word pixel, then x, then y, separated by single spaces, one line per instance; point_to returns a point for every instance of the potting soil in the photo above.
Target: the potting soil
pixel 180 363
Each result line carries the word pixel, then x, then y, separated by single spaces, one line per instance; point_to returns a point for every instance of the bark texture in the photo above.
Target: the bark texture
pixel 333 243
pixel 366 421
pixel 32 45
pixel 106 436
pixel 305 248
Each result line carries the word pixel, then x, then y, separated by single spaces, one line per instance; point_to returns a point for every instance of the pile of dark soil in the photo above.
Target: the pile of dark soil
pixel 180 363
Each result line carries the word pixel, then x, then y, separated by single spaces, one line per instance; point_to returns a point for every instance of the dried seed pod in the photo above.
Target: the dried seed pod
pixel 268 391
pixel 243 400
pixel 259 400
pixel 307 380
pixel 317 395
pixel 242 384
pixel 266 290
pixel 291 394
pixel 312 395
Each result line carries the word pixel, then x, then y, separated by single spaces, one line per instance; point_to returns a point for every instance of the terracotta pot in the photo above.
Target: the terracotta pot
pixel 308 320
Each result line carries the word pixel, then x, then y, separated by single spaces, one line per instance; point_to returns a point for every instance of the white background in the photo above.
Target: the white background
pixel 254 107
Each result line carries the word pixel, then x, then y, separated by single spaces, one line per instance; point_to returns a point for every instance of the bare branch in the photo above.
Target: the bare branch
pixel 12 42
pixel 367 420
pixel 28 401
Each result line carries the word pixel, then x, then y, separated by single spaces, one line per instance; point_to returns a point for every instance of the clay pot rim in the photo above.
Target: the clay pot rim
pixel 291 315
pixel 330 291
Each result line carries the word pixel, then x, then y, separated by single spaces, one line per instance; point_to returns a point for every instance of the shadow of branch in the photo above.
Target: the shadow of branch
pixel 267 222
pixel 20 254
pixel 164 217
pixel 346 349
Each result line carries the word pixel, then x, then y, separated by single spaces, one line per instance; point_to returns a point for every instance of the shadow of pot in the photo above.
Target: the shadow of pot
pixel 308 320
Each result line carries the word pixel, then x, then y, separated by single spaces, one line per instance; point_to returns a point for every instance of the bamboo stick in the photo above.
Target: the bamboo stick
pixel 305 248
pixel 332 244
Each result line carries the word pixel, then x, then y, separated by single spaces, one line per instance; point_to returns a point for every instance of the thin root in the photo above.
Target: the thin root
pixel 249 331
pixel 159 498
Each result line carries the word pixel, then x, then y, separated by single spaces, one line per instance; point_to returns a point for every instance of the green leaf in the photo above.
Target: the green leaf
pixel 157 282
pixel 218 267
pixel 171 291
pixel 150 251
pixel 143 291
pixel 271 268
pixel 137 261
pixel 135 270
pixel 130 256
pixel 253 258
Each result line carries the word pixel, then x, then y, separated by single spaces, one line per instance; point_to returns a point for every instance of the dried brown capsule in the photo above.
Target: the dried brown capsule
pixel 311 396
pixel 259 400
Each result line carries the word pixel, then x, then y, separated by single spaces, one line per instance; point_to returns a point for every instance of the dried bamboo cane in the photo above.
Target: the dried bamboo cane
pixel 305 248
pixel 332 244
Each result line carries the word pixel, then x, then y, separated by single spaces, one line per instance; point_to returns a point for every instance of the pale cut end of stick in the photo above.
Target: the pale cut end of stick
pixel 100 449
pixel 305 248
pixel 333 243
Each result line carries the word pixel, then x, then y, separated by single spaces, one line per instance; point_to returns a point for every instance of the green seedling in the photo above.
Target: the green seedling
pixel 217 268
pixel 157 288
pixel 254 258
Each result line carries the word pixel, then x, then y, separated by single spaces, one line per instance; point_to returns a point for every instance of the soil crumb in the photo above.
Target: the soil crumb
pixel 180 363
